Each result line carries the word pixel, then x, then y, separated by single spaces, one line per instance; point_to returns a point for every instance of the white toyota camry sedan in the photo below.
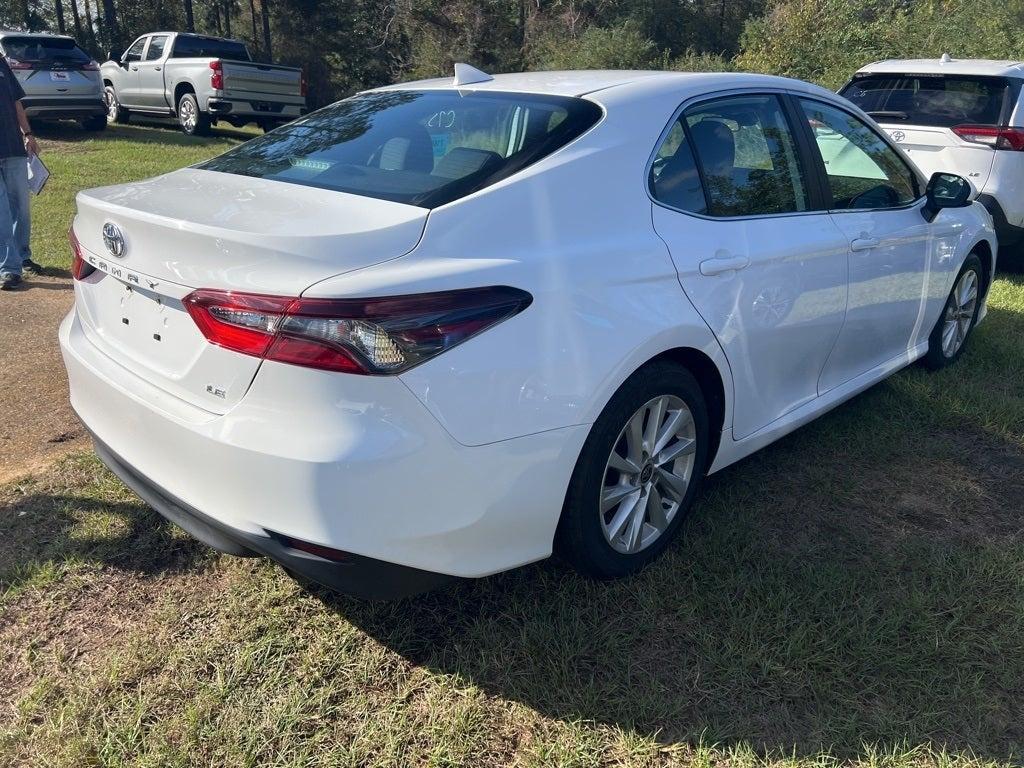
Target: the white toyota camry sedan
pixel 441 329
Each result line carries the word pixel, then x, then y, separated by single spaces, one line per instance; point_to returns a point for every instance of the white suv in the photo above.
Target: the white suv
pixel 964 116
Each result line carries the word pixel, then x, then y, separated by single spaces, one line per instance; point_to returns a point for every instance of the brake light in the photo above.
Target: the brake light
pixel 91 66
pixel 18 63
pixel 80 268
pixel 376 336
pixel 217 75
pixel 992 136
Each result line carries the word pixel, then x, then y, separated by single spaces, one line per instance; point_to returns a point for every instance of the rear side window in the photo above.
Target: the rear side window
pixel 942 101
pixel 675 180
pixel 157 43
pixel 191 47
pixel 44 50
pixel 422 148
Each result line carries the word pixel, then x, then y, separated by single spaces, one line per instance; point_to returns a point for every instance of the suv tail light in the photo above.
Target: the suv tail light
pixel 91 66
pixel 992 136
pixel 80 268
pixel 217 75
pixel 18 63
pixel 376 336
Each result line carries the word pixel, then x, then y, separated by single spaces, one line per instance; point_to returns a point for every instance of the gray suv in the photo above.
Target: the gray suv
pixel 60 80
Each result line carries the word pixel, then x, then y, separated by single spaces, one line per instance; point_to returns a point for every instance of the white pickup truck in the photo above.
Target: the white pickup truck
pixel 200 80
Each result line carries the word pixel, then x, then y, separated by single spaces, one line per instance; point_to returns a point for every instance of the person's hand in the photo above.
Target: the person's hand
pixel 31 145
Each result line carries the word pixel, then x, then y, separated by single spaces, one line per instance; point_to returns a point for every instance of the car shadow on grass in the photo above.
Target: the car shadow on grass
pixel 49 522
pixel 147 131
pixel 860 582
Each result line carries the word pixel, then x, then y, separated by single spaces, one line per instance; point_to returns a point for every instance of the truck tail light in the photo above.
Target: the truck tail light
pixel 217 75
pixel 80 268
pixel 376 336
pixel 302 83
pixel 992 136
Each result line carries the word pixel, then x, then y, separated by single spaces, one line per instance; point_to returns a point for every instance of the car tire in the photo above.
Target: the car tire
pixel 193 122
pixel 959 315
pixel 115 112
pixel 94 123
pixel 610 524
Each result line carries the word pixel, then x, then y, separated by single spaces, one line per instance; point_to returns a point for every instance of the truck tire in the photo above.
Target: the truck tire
pixel 192 121
pixel 115 112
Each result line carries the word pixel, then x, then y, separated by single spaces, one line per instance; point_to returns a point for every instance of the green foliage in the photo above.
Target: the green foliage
pixel 620 47
pixel 827 40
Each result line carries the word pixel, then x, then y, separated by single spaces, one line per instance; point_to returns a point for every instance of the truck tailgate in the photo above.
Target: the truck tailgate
pixel 247 79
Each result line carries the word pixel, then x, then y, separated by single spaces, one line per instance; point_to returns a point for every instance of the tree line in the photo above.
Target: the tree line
pixel 346 45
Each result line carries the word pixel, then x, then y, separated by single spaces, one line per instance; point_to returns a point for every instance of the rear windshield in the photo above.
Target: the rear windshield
pixel 48 49
pixel 422 148
pixel 189 46
pixel 941 100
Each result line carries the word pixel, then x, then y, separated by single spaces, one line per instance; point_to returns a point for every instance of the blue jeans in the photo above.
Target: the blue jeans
pixel 14 214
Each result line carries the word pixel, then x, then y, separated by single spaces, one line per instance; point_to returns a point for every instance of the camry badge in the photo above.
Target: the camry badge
pixel 113 239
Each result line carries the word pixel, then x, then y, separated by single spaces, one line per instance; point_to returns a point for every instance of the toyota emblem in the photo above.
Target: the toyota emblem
pixel 898 135
pixel 113 239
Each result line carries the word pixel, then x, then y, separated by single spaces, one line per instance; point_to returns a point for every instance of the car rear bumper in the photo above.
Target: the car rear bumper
pixel 63 107
pixel 254 110
pixel 353 463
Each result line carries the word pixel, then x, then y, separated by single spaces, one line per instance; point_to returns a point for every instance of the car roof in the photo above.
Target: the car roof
pixel 46 35
pixel 946 65
pixel 583 82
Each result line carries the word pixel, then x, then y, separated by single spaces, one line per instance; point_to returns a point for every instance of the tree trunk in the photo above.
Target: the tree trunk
pixel 265 13
pixel 255 34
pixel 227 18
pixel 58 6
pixel 26 15
pixel 90 30
pixel 190 20
pixel 216 19
pixel 77 21
pixel 110 23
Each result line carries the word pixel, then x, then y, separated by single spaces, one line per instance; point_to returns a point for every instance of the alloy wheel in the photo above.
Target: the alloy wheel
pixel 647 474
pixel 111 106
pixel 188 115
pixel 959 313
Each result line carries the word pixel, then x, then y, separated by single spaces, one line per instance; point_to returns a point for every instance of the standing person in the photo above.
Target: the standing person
pixel 16 140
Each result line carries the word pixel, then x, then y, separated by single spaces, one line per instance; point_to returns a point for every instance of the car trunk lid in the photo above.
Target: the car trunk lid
pixel 936 149
pixel 243 79
pixel 202 229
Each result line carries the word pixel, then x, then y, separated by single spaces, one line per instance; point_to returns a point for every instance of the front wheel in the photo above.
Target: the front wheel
pixel 115 112
pixel 637 475
pixel 949 337
pixel 192 121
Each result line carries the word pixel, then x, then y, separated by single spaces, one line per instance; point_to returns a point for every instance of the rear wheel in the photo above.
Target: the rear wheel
pixel 192 121
pixel 94 123
pixel 115 112
pixel 949 337
pixel 637 475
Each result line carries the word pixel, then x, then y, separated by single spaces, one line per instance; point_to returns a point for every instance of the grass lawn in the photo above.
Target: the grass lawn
pixel 852 594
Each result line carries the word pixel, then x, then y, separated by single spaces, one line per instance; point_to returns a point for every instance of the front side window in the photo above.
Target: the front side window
pixel 747 156
pixel 156 47
pixel 422 148
pixel 863 171
pixel 135 52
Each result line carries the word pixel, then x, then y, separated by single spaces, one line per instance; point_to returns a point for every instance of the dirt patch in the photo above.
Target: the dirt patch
pixel 38 424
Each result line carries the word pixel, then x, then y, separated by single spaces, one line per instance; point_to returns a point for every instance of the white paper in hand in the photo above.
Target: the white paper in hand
pixel 37 174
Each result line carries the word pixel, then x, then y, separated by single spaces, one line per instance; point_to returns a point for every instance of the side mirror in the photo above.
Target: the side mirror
pixel 946 190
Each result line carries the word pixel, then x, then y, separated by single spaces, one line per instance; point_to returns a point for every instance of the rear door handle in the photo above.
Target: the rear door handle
pixel 157 68
pixel 135 69
pixel 864 244
pixel 727 264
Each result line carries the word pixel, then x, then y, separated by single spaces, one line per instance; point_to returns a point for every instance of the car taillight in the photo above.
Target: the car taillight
pixel 91 66
pixel 217 75
pixel 992 136
pixel 375 336
pixel 18 63
pixel 80 268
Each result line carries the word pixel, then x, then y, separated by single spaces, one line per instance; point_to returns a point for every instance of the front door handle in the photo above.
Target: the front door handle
pixel 135 69
pixel 719 265
pixel 864 244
